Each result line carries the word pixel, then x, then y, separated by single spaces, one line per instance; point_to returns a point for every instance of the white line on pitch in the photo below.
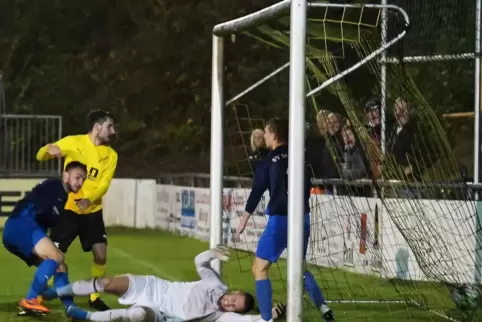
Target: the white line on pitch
pixel 161 273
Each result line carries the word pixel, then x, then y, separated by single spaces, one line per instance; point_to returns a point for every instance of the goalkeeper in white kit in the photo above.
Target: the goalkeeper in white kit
pixel 152 299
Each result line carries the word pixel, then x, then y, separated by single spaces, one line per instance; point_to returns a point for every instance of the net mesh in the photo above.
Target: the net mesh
pixel 398 237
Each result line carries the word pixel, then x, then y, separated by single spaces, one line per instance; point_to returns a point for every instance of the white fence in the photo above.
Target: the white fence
pixel 356 234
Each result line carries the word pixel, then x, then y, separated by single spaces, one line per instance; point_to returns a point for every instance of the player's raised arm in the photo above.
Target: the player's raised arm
pixel 203 262
pixel 104 182
pixel 57 149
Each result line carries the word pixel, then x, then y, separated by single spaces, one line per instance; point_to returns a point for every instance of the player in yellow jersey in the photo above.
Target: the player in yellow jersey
pixel 83 211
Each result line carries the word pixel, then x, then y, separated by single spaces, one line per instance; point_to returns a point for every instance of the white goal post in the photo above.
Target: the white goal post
pixel 297 97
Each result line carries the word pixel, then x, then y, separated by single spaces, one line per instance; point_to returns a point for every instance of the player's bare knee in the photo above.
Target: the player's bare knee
pixel 254 269
pixel 100 258
pixel 62 268
pixel 55 255
pixel 45 249
pixel 58 257
pixel 99 251
pixel 260 268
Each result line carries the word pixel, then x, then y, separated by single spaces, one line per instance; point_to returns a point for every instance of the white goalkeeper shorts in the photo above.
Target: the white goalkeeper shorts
pixel 147 291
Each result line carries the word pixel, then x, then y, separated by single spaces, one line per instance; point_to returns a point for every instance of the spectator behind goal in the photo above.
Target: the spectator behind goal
pixel 355 166
pixel 374 120
pixel 315 145
pixel 258 148
pixel 374 124
pixel 333 152
pixel 407 144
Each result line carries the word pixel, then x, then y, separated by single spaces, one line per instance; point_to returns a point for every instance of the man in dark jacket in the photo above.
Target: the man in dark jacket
pixel 408 144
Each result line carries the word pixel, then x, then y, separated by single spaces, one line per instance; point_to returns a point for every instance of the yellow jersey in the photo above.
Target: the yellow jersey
pixel 101 162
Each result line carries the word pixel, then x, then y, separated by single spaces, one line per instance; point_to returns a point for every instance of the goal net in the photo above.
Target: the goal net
pixel 394 234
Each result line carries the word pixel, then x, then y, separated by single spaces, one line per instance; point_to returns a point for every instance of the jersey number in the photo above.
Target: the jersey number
pixel 93 172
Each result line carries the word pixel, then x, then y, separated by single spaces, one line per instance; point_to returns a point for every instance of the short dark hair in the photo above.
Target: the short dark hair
pixel 373 105
pixel 248 303
pixel 280 128
pixel 99 117
pixel 75 165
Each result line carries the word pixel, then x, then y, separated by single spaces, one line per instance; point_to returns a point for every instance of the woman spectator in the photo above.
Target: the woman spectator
pixel 315 145
pixel 258 148
pixel 333 152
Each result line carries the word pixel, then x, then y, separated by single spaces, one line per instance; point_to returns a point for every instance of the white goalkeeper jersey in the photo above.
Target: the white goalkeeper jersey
pixel 185 301
pixel 195 300
pixel 211 280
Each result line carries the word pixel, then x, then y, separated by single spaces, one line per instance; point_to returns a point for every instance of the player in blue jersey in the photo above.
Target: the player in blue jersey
pixel 25 234
pixel 272 175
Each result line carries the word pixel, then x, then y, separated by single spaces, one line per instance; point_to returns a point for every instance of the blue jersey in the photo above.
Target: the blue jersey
pixel 44 203
pixel 272 175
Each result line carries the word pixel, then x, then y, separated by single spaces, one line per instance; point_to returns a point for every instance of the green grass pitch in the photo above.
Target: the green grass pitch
pixel 171 257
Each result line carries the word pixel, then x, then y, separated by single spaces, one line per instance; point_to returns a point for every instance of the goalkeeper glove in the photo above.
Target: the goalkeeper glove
pixel 221 252
pixel 279 311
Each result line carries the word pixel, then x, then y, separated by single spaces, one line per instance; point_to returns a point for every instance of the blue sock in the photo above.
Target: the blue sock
pixel 264 294
pixel 77 313
pixel 313 290
pixel 61 279
pixel 49 293
pixel 44 272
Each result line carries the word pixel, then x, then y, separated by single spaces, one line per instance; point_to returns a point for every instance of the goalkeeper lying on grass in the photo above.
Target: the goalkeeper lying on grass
pixel 153 299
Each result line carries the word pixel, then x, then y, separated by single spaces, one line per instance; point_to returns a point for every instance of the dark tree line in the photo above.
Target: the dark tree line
pixel 149 62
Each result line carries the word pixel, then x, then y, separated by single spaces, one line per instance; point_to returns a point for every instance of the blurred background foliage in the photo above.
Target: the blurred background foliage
pixel 149 62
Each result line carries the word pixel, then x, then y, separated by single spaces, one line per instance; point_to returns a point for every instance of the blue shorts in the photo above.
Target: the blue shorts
pixel 274 239
pixel 20 235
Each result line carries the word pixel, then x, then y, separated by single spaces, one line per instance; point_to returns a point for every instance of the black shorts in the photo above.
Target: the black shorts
pixel 90 229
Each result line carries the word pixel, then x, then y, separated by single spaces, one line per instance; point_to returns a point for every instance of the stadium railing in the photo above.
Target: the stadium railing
pixel 201 180
pixel 442 189
pixel 21 136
